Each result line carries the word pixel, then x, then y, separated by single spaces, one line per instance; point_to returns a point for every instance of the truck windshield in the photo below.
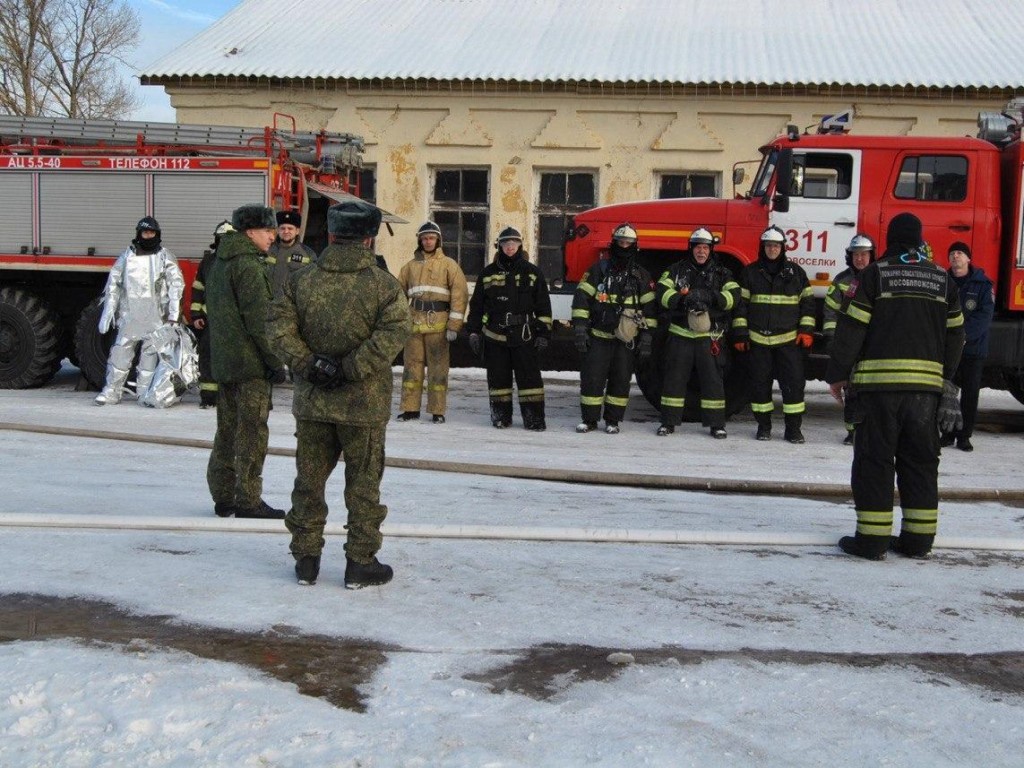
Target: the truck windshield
pixel 764 174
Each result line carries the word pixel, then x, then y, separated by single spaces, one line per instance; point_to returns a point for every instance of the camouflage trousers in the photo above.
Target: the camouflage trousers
pixel 235 471
pixel 319 446
pixel 431 350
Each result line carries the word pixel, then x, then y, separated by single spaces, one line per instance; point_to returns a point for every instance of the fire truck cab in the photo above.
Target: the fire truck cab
pixel 822 189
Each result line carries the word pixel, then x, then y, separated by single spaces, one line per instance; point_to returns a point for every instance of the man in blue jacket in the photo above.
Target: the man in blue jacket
pixel 978 304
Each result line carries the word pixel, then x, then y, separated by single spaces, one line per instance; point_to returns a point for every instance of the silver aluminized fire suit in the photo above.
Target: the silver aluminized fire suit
pixel 143 293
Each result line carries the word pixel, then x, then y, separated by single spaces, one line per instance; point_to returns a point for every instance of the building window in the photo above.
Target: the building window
pixel 688 184
pixel 822 176
pixel 561 195
pixel 934 178
pixel 460 206
pixel 366 178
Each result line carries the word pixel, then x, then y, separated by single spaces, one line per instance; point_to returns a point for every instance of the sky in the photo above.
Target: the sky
pixel 136 628
pixel 166 24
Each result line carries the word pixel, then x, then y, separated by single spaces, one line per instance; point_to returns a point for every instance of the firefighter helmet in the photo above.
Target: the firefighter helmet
pixel 353 220
pixel 624 231
pixel 223 228
pixel 428 228
pixel 147 223
pixel 773 235
pixel 860 242
pixel 702 236
pixel 508 233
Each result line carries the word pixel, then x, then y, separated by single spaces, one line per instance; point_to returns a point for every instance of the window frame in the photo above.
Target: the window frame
pixel 551 265
pixel 472 263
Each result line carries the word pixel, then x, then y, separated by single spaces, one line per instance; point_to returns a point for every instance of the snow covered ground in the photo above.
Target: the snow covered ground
pixel 196 647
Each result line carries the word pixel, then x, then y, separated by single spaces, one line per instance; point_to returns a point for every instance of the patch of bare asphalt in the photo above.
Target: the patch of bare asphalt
pixel 335 669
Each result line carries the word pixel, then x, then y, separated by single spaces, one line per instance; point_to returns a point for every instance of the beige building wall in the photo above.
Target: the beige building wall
pixel 627 141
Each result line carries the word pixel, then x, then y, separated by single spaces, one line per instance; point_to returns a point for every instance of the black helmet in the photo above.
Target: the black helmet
pixel 148 223
pixel 353 220
pixel 147 244
pixel 509 233
pixel 428 228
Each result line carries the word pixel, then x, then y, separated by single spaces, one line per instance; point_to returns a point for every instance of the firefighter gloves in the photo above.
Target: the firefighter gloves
pixel 805 340
pixel 949 417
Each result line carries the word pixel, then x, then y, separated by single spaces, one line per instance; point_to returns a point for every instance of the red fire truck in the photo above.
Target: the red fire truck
pixel 823 188
pixel 71 192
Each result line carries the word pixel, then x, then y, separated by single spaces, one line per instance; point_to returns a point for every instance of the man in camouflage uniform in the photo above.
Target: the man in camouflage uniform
pixel 287 254
pixel 437 291
pixel 339 325
pixel 244 365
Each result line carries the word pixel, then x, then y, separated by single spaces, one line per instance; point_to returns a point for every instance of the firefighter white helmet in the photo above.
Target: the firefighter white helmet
pixel 702 235
pixel 860 242
pixel 773 235
pixel 223 228
pixel 624 232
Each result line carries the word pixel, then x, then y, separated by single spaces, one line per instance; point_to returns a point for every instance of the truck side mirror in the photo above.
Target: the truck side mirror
pixel 738 174
pixel 783 181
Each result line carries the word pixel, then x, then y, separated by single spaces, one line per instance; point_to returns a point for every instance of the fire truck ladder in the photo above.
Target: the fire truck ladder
pixel 113 135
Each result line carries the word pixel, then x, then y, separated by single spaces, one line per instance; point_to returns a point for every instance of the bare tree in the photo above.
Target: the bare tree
pixel 61 57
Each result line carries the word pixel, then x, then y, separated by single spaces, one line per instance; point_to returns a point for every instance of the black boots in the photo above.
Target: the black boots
pixel 371 574
pixel 438 418
pixel 793 434
pixel 915 545
pixel 868 547
pixel 223 509
pixel 307 568
pixel 261 511
pixel 408 416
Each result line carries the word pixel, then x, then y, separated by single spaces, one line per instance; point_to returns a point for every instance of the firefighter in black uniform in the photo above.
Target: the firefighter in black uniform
pixel 897 344
pixel 197 312
pixel 859 253
pixel 509 324
pixel 613 314
pixel 696 296
pixel 774 324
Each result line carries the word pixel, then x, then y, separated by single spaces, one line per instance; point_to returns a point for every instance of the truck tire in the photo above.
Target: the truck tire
pixel 91 346
pixel 30 348
pixel 737 392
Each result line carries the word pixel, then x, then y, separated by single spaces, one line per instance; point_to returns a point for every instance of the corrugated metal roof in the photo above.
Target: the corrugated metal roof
pixel 916 43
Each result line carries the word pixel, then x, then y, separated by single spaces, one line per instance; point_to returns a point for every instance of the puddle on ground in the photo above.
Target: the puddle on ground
pixel 334 669
pixel 545 671
pixel 329 668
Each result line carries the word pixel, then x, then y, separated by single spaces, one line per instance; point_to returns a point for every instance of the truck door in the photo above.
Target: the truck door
pixel 822 215
pixel 938 190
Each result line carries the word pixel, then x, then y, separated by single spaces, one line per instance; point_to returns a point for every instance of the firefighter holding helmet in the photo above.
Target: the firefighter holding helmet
pixel 613 315
pixel 509 324
pixel 143 293
pixel 695 296
pixel 773 326
pixel 859 253
pixel 436 288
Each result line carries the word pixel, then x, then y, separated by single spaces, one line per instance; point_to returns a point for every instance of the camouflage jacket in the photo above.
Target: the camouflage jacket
pixel 343 307
pixel 237 299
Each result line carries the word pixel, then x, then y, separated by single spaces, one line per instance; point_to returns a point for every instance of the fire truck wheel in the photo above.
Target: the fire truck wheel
pixel 737 395
pixel 91 346
pixel 30 351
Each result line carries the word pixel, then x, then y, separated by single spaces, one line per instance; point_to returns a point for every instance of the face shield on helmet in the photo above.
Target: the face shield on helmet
pixel 773 235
